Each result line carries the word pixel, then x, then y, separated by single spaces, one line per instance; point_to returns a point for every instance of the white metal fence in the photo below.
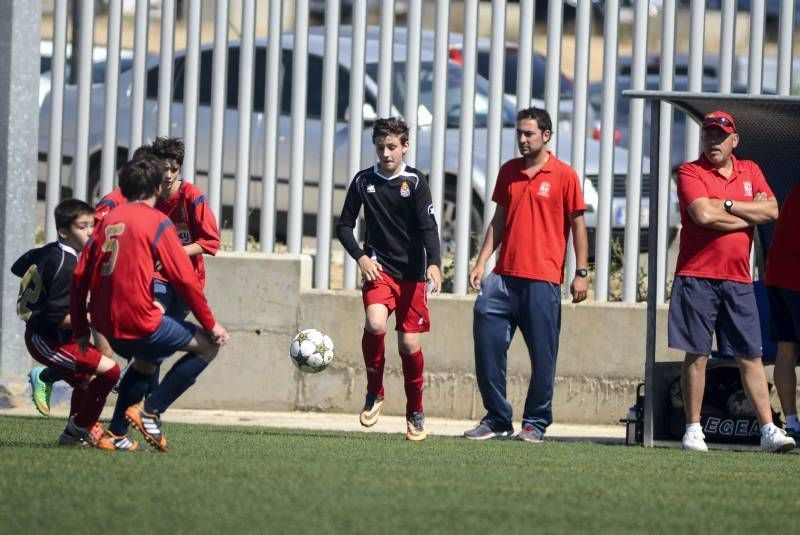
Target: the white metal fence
pixel 276 117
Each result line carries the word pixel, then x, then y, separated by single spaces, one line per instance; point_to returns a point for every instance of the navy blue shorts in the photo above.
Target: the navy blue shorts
pixel 171 336
pixel 700 308
pixel 784 311
pixel 174 307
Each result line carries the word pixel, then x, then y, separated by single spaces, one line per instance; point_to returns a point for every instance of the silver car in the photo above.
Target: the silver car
pixel 313 128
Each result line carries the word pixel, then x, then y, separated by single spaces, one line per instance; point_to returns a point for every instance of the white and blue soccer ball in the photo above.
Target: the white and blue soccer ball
pixel 311 350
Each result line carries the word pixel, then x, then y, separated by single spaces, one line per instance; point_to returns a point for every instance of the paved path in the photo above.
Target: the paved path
pixel 348 422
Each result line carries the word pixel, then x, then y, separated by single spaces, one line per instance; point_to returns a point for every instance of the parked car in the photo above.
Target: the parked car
pixel 313 127
pixel 99 55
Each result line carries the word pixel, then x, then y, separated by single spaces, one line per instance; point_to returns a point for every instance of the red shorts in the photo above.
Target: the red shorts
pixel 74 367
pixel 409 299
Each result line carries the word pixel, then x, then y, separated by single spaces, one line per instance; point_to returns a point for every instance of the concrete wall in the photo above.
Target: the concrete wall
pixel 264 299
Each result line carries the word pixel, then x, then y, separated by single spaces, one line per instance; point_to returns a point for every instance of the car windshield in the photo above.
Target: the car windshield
pixel 453 93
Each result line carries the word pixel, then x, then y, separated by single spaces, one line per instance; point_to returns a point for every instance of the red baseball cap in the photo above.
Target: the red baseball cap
pixel 721 120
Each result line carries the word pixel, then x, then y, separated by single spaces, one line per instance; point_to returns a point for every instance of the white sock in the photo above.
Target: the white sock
pixel 694 427
pixel 768 428
pixel 792 422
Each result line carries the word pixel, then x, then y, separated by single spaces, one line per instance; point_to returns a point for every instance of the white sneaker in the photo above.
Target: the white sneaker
pixel 694 440
pixel 774 440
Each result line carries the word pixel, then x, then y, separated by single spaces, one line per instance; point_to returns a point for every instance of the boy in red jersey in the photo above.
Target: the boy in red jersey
pixel 400 252
pixel 117 269
pixel 43 304
pixel 185 204
pixel 42 378
pixel 783 286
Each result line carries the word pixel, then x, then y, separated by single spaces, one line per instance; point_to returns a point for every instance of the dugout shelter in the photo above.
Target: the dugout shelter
pixel 769 127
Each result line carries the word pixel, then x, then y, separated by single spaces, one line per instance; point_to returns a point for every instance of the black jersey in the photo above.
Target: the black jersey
pixel 401 231
pixel 43 300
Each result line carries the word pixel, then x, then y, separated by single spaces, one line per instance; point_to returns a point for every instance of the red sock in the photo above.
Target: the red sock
pixel 76 401
pixel 412 379
pixel 95 398
pixel 374 359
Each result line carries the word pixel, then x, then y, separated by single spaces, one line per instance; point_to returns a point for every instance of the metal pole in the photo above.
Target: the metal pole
pixel 784 84
pixel 219 62
pixel 756 57
pixel 727 40
pixel 190 87
pixel 294 238
pixel 356 131
pixel 527 27
pixel 605 179
pixel 697 22
pixel 53 191
pixel 330 66
pixel 108 157
pixel 439 124
pixel 272 96
pixel 245 112
pixel 385 66
pixel 630 273
pixel 580 96
pixel 414 31
pixel 494 124
pixel 552 86
pixel 664 168
pixel 20 28
pixel 139 67
pixel 85 45
pixel 650 350
pixel 467 122
pixel 165 66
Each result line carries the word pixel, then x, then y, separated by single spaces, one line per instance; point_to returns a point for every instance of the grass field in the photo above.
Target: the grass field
pixel 277 481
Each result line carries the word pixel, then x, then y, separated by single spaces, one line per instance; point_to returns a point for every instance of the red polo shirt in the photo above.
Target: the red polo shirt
pixel 783 260
pixel 715 254
pixel 538 210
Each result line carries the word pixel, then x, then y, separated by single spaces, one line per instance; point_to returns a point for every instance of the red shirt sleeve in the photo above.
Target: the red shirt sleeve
pixel 759 181
pixel 573 194
pixel 79 290
pixel 500 193
pixel 690 185
pixel 179 272
pixel 204 227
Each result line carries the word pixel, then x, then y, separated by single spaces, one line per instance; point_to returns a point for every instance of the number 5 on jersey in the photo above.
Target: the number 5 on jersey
pixel 111 245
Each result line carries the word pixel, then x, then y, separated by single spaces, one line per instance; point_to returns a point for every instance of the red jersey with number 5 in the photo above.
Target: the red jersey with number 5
pixel 117 268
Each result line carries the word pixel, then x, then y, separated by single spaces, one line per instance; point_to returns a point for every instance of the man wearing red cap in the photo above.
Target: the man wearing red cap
pixel 721 199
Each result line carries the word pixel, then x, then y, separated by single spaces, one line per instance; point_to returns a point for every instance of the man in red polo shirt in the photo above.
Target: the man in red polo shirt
pixel 783 285
pixel 721 199
pixel 539 199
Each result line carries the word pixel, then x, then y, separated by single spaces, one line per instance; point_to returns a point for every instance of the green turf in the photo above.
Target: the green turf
pixel 282 481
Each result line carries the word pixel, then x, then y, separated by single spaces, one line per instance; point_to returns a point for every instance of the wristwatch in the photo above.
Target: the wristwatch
pixel 582 273
pixel 728 205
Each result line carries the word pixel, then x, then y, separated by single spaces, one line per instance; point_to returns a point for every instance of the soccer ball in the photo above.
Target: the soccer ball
pixel 311 350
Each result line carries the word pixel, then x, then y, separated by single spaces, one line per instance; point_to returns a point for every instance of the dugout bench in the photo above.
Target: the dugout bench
pixel 769 126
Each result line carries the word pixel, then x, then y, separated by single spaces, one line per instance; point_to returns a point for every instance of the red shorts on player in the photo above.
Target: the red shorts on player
pixel 73 366
pixel 408 299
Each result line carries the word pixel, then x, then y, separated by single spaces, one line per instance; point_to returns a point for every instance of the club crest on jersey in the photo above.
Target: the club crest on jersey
pixel 405 191
pixel 371 188
pixel 544 189
pixel 748 189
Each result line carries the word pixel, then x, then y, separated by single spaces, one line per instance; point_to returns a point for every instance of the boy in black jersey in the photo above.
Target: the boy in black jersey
pixel 401 253
pixel 43 304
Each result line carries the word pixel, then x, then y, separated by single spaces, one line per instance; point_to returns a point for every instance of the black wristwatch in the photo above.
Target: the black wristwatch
pixel 582 273
pixel 728 205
